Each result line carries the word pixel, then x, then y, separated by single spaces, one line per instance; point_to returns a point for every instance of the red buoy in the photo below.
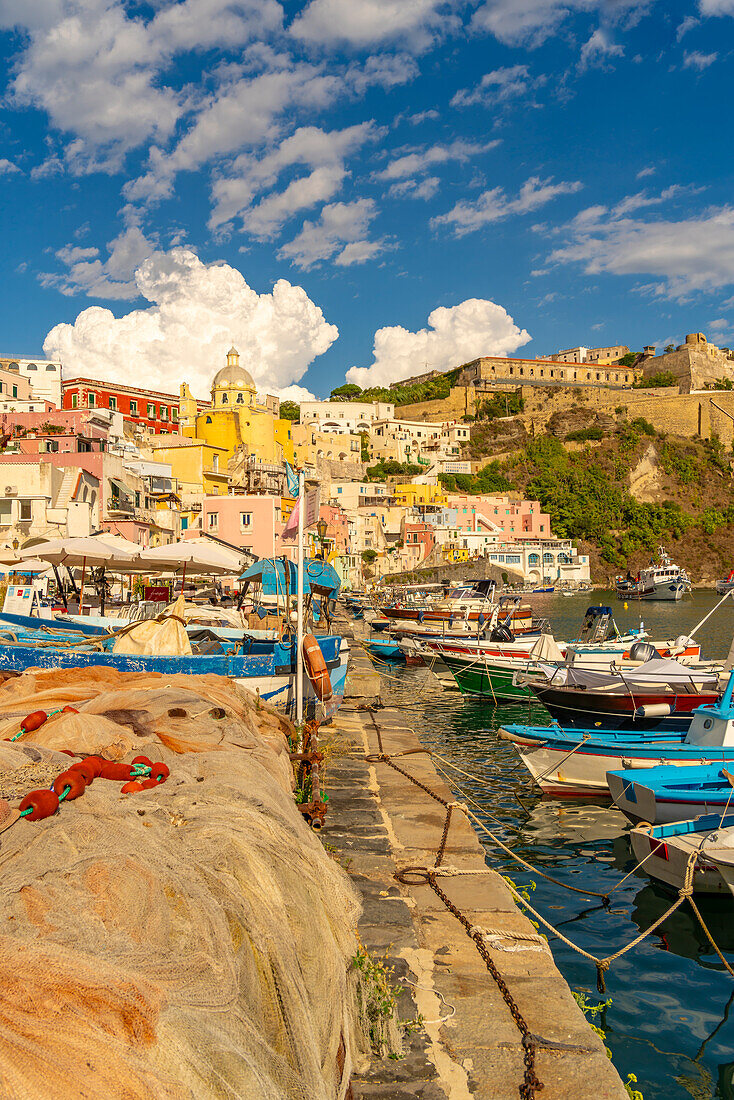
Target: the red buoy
pixel 44 803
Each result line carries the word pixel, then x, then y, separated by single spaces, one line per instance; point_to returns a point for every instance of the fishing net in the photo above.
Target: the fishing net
pixel 189 941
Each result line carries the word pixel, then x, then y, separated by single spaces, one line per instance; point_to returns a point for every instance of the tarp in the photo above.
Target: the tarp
pixel 158 639
pixel 657 673
pixel 278 576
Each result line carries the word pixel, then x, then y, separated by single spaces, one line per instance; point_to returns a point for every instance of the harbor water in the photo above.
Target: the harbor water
pixel 670 1021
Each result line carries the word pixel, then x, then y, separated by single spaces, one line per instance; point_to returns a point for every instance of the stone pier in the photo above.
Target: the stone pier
pixel 470 1045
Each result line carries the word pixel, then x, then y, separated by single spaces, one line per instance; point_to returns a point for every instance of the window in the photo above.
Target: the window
pixel 164 412
pixel 15 391
pixel 213 521
pixel 50 367
pixel 25 509
pixel 225 399
pixel 113 403
pixel 31 366
pixel 215 463
pixel 5 512
pixel 151 411
pixel 137 499
pixel 133 408
pixel 208 420
pixel 74 398
pixel 245 519
pixel 91 400
pixel 240 398
pixel 174 414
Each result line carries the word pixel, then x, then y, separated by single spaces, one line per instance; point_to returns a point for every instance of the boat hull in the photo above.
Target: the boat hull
pixel 664 856
pixel 259 672
pixel 580 709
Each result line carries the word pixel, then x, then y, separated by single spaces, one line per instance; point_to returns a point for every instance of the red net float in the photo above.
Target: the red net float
pixel 131 787
pixel 67 752
pixel 148 784
pixel 95 763
pixel 72 779
pixel 33 721
pixel 143 760
pixel 88 771
pixel 42 804
pixel 69 710
pixel 111 769
pixel 316 668
pixel 159 771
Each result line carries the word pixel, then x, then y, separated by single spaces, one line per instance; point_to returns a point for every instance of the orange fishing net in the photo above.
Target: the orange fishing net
pixel 189 941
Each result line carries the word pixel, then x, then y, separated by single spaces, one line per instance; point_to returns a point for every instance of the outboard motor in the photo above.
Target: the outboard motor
pixel 502 633
pixel 643 651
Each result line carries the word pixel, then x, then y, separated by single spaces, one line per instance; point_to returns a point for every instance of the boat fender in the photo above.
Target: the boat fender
pixel 653 710
pixel 316 668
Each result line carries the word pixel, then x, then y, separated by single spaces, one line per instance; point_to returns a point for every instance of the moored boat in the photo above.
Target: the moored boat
pixel 669 793
pixel 661 580
pixel 575 762
pixel 666 852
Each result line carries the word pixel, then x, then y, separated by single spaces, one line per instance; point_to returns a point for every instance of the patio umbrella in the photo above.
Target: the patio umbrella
pixel 193 557
pixel 91 550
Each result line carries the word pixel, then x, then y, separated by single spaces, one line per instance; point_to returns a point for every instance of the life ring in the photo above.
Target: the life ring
pixel 316 668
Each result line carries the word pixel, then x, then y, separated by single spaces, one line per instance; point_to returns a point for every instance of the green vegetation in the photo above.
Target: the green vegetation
pixel 502 404
pixel 582 434
pixel 590 1011
pixel 629 359
pixel 365 455
pixel 347 392
pixel 720 384
pixel 433 389
pixel 639 424
pixel 656 381
pixel 369 555
pixel 383 470
pixel 289 410
pixel 490 479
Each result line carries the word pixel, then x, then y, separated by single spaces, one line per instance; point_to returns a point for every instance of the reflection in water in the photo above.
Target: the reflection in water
pixel 669 1022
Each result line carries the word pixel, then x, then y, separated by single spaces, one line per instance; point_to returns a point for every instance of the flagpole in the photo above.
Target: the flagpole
pixel 299 621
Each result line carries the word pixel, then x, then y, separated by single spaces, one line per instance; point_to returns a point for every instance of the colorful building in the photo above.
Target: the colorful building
pixel 237 417
pixel 158 412
pixel 254 523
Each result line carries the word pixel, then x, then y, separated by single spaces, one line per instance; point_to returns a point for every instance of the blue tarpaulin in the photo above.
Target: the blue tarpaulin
pixel 279 576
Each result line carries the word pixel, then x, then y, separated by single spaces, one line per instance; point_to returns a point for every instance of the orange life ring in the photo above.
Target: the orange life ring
pixel 316 668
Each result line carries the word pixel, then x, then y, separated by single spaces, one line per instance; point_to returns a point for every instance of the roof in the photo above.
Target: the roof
pixel 234 376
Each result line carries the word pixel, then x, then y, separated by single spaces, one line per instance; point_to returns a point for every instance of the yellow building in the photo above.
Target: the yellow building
pixel 412 495
pixel 196 466
pixel 238 417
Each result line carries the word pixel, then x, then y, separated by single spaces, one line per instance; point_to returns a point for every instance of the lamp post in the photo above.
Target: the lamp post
pixel 322 527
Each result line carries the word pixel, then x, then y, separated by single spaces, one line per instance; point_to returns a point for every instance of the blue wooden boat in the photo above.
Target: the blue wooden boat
pixel 669 793
pixel 268 668
pixel 385 648
pixel 574 763
pixel 664 851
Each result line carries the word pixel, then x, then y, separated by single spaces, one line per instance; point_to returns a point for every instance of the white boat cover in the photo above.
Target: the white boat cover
pixel 660 672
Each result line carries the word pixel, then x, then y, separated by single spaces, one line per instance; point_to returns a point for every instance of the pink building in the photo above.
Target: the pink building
pixel 253 522
pixel 518 519
pixel 419 538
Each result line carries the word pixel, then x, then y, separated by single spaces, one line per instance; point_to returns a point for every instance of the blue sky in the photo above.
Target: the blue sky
pixel 374 184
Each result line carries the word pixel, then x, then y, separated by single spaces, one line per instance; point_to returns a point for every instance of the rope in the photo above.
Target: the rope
pixel 418 875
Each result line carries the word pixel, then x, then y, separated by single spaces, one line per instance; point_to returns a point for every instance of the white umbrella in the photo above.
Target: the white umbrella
pixel 89 550
pixel 26 565
pixel 194 557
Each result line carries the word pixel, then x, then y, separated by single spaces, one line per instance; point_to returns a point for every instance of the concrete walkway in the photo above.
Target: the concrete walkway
pixel 378 822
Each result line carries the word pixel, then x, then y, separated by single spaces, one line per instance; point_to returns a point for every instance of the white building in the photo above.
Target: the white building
pixel 344 416
pixel 43 374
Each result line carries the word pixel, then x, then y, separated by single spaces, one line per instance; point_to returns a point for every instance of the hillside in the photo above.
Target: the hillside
pixel 624 489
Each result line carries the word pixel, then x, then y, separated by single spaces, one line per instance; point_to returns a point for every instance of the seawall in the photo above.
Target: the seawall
pixel 471 1044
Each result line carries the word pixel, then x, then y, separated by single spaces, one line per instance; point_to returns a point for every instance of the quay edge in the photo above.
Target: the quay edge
pixel 470 1047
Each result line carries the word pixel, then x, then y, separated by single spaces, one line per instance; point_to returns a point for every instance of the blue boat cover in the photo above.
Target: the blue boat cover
pixel 279 575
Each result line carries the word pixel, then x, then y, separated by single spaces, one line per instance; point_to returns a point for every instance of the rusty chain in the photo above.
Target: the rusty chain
pixel 417 876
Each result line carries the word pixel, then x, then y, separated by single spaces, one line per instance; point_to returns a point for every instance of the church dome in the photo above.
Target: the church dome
pixel 233 376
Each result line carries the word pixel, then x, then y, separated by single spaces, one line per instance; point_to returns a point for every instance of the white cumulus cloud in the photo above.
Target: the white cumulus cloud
pixel 341 232
pixel 196 312
pixel 454 335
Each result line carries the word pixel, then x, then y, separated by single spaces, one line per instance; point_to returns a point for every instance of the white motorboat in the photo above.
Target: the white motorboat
pixel 665 852
pixel 661 580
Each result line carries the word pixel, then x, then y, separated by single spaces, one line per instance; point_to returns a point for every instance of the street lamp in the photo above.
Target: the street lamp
pixel 322 527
